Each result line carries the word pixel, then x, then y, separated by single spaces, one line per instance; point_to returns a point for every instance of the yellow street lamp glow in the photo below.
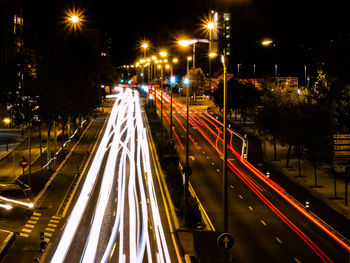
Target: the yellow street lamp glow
pixel 154 58
pixel 165 60
pixel 158 66
pixel 137 64
pixel 156 61
pixel 210 25
pixel 75 19
pixel 212 54
pixel 266 42
pixel 189 58
pixel 167 66
pixel 7 120
pixel 142 61
pixel 144 45
pixel 163 54
pixel 148 60
pixel 175 60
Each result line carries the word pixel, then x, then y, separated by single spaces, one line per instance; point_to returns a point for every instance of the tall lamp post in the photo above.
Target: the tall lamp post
pixel 188 66
pixel 187 169
pixel 210 26
pixel 193 42
pixel 163 54
pixel 225 197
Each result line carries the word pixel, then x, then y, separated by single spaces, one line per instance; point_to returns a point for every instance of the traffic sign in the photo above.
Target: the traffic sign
pixel 23 163
pixel 341 136
pixel 171 143
pixel 225 241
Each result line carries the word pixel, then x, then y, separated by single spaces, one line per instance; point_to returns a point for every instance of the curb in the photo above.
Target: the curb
pixel 7 242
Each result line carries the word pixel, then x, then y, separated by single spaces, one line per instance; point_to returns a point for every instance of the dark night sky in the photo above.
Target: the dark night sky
pixel 297 22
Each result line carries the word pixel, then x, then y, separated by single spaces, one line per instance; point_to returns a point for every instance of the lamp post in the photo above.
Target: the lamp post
pixel 162 54
pixel 188 66
pixel 172 82
pixel 225 198
pixel 210 26
pixel 187 169
pixel 192 42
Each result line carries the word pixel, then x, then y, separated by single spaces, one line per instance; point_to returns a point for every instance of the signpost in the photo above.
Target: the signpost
pixel 23 163
pixel 225 241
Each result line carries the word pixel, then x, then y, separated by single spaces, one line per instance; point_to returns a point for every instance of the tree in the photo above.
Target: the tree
pixel 197 77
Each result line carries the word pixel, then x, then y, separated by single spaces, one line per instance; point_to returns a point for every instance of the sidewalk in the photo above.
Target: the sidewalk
pixel 9 140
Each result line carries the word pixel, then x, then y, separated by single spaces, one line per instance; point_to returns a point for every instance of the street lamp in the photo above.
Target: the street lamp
pixel 188 67
pixel 187 169
pixel 225 197
pixel 192 42
pixel 7 121
pixel 163 54
pixel 74 19
pixel 210 26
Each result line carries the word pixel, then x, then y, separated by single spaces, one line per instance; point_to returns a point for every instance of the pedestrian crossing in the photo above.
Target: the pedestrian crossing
pixel 32 223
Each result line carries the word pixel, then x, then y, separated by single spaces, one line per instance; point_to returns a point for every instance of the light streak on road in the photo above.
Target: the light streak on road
pixel 124 147
pixel 204 124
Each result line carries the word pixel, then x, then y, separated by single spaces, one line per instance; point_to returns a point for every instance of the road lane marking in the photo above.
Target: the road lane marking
pixel 34 218
pixel 31 222
pixel 212 163
pixel 278 240
pixel 52 225
pixel 29 226
pixel 54 221
pixel 218 170
pixel 297 260
pixel 208 157
pixel 251 208
pixel 50 229
pixel 113 213
pixel 47 234
pixel 56 217
pixel 203 152
pixel 263 222
pixel 23 235
pixel 231 186
pixel 115 199
pixel 26 230
pixel 240 196
pixel 37 214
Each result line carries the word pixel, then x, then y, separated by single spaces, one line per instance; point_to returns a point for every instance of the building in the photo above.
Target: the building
pixel 11 46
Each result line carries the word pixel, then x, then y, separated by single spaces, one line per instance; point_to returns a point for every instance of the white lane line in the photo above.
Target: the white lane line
pixel 115 199
pixel 212 163
pixel 251 208
pixel 240 196
pixel 263 222
pixel 297 260
pixel 113 213
pixel 218 170
pixel 279 240
pixel 203 152
pixel 231 186
pixel 208 157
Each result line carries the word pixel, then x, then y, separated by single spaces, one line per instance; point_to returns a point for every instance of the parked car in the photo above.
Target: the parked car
pixel 14 200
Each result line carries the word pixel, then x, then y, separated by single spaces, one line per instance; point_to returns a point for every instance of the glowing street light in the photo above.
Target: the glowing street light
pixel 266 42
pixel 7 120
pixel 193 42
pixel 74 19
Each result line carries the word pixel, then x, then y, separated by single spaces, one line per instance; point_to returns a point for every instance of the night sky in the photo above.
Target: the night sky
pixel 295 22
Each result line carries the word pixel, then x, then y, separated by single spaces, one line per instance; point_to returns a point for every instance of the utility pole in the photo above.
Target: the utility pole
pixel 30 145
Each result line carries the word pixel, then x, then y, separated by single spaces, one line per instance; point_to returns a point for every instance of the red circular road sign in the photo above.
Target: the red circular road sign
pixel 23 163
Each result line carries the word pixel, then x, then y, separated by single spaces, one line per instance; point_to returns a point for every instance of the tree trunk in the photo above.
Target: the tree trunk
pixel 48 152
pixel 288 156
pixel 274 148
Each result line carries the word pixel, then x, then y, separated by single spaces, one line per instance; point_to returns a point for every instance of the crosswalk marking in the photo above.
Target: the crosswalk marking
pixel 49 229
pixel 23 235
pixel 37 214
pixel 48 234
pixel 52 225
pixel 26 230
pixel 31 222
pixel 34 218
pixel 56 217
pixel 29 226
pixel 54 221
